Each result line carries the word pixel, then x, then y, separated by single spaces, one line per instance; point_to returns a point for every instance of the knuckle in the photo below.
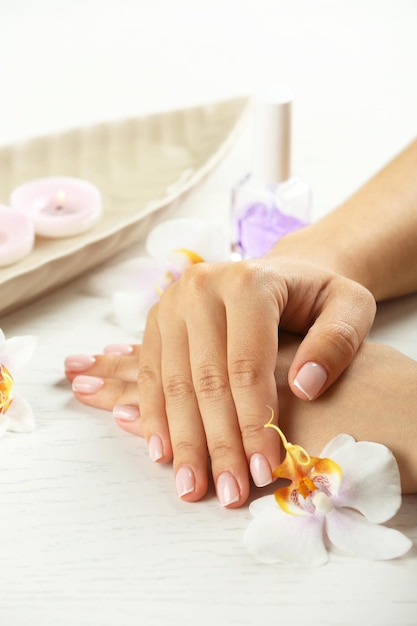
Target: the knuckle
pixel 345 338
pixel 177 386
pixel 251 430
pixel 183 448
pixel 365 301
pixel 244 373
pixel 196 278
pixel 211 383
pixel 247 276
pixel 147 375
pixel 220 449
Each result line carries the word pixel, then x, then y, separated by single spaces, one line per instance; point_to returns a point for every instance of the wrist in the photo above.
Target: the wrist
pixel 321 244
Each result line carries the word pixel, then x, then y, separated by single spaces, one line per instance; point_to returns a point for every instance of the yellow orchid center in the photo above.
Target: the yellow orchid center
pixel 308 474
pixel 193 257
pixel 6 386
pixel 173 274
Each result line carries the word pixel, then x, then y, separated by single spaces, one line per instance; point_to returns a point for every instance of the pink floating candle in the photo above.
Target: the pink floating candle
pixel 60 206
pixel 17 235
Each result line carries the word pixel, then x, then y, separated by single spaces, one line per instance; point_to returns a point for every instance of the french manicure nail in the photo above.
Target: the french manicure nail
pixel 260 470
pixel 310 379
pixel 155 448
pixel 227 489
pixel 126 413
pixel 87 384
pixel 118 349
pixel 184 481
pixel 79 362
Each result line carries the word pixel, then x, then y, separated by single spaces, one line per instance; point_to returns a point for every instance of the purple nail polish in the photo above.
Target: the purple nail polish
pixel 269 202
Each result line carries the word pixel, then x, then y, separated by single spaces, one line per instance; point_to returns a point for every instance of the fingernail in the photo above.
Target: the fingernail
pixel 184 481
pixel 126 413
pixel 87 384
pixel 119 349
pixel 310 379
pixel 260 470
pixel 155 448
pixel 227 489
pixel 79 362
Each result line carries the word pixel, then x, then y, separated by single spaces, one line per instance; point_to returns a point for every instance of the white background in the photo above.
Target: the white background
pixel 353 65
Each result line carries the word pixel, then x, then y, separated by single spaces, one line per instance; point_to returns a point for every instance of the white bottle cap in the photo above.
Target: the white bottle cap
pixel 272 136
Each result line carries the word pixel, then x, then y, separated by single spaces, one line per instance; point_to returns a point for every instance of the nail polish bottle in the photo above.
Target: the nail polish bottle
pixel 269 202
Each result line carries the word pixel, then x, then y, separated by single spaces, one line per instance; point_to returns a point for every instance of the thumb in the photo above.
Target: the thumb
pixel 332 341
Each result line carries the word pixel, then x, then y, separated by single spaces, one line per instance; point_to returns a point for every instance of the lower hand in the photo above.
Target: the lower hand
pixel 208 359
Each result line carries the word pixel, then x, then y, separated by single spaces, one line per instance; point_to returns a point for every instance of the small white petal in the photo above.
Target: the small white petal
pixel 277 537
pixel 265 503
pixel 16 352
pixel 2 339
pixel 20 414
pixel 336 444
pixel 131 309
pixel 370 480
pixel 199 236
pixel 129 275
pixel 4 424
pixel 355 535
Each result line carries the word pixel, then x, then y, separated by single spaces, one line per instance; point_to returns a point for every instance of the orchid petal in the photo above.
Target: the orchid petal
pixel 336 443
pixel 199 236
pixel 126 276
pixel 131 309
pixel 2 339
pixel 20 414
pixel 370 480
pixel 261 505
pixel 4 424
pixel 16 352
pixel 273 537
pixel 353 534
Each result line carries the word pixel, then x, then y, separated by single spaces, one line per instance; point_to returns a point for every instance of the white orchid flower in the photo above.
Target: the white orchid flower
pixel 137 284
pixel 15 412
pixel 338 500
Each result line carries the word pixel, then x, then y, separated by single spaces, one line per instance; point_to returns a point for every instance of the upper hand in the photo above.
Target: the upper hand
pixel 207 363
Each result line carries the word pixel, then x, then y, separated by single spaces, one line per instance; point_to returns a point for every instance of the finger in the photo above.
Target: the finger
pixel 206 327
pixel 104 366
pixel 128 418
pixel 105 393
pixel 344 316
pixel 186 430
pixel 122 349
pixel 152 400
pixel 120 397
pixel 252 347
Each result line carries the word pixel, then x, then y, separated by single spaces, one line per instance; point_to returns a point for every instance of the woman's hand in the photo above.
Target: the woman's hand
pixel 364 402
pixel 207 363
pixel 208 359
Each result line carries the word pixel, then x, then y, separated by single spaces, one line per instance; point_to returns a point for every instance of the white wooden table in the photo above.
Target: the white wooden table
pixel 91 532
